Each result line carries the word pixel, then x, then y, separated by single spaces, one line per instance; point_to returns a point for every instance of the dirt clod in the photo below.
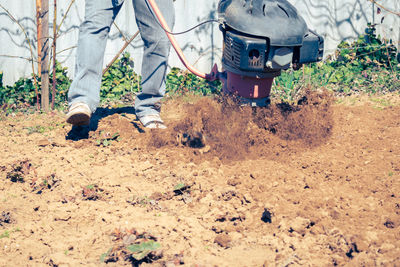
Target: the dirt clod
pixel 92 192
pixel 132 246
pixel 43 142
pixel 48 183
pixel 223 240
pixel 5 218
pixel 390 224
pixel 20 171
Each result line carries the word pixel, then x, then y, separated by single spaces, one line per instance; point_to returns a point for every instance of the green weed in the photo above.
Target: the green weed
pixel 106 138
pixel 140 251
pixel 179 187
pixel 5 234
pixel 90 187
pixel 35 129
pixel 104 255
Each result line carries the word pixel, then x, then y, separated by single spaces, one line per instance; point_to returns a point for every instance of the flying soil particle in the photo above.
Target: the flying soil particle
pixel 310 120
pixel 234 132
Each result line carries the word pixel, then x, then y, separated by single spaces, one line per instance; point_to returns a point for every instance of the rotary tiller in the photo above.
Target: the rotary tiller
pixel 261 38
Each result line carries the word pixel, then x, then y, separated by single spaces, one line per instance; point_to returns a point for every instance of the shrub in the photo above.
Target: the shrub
pixel 63 83
pixel 181 82
pixel 22 92
pixel 120 79
pixel 368 64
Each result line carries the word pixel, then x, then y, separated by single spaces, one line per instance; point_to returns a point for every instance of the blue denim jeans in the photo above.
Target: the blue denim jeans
pixel 93 34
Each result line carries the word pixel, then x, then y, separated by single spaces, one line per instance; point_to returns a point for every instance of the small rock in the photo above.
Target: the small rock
pixel 170 264
pixel 78 144
pixel 300 225
pixel 43 142
pixel 236 236
pixel 230 228
pixel 157 196
pixel 359 243
pixel 223 240
pixel 371 236
pixel 335 214
pixel 233 182
pixel 278 257
pixel 158 253
pixel 247 198
pixel 317 230
pixel 205 149
pixel 386 247
pixel 389 224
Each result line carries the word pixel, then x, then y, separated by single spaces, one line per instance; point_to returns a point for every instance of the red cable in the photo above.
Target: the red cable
pixel 174 43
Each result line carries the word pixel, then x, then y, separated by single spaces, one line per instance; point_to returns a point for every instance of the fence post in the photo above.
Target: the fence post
pixel 44 14
pixel 53 93
pixel 397 6
pixel 39 48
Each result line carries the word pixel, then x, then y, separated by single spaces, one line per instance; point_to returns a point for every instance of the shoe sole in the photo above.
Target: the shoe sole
pixel 79 119
pixel 153 121
pixel 155 125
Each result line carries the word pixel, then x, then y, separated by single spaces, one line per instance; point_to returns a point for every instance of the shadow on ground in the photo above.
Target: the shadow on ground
pixel 82 132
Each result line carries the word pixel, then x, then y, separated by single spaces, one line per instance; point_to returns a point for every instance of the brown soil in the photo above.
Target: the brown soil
pixel 313 183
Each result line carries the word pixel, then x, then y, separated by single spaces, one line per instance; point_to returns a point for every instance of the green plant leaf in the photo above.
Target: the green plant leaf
pixel 6 234
pixel 104 255
pixel 90 187
pixel 140 251
pixel 179 186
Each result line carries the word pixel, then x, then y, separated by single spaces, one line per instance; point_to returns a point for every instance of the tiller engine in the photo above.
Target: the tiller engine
pixel 261 38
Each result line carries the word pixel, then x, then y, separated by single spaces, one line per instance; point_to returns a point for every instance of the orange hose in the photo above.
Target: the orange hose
pixel 175 44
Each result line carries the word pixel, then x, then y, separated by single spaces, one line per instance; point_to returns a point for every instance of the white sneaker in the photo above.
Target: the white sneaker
pixel 79 114
pixel 152 121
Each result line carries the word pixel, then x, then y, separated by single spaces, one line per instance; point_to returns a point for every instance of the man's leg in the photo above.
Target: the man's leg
pixel 84 93
pixel 155 57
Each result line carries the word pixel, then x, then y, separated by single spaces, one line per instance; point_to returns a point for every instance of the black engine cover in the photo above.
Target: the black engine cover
pixel 263 37
pixel 276 19
pixel 246 53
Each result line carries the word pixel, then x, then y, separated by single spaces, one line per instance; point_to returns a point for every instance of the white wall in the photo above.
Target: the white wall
pixel 335 19
pixel 339 20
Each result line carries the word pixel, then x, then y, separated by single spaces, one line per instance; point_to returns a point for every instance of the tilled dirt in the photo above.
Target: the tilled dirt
pixel 312 183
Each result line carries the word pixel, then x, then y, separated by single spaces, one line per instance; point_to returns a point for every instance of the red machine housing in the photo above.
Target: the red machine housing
pixel 247 87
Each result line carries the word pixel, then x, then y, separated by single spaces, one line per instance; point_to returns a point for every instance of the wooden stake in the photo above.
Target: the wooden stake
pixel 44 15
pixel 39 46
pixel 53 95
pixel 120 52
